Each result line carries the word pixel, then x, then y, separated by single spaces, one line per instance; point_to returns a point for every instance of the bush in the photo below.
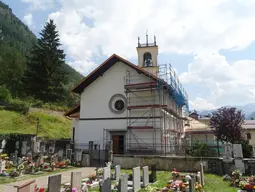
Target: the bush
pixel 199 149
pixel 18 106
pixel 247 149
pixel 5 94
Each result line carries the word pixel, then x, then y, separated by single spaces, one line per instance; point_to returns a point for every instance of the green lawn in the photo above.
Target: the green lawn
pixel 52 126
pixel 213 183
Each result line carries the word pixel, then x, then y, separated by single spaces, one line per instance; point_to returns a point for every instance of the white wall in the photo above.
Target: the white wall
pixel 95 104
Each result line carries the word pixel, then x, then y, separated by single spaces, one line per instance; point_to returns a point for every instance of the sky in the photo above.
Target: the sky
pixel 211 44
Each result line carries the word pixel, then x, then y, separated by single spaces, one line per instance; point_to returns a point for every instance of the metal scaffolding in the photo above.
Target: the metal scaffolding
pixel 148 107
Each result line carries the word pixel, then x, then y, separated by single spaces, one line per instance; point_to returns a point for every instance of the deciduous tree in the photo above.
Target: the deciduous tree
pixel 227 123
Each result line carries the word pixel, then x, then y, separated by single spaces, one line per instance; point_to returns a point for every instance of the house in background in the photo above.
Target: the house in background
pixel 141 108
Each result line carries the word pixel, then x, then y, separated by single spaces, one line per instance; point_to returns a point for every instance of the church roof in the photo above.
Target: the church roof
pixel 73 112
pixel 107 64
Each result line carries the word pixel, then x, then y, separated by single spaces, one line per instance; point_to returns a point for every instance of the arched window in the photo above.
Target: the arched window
pixel 248 136
pixel 147 60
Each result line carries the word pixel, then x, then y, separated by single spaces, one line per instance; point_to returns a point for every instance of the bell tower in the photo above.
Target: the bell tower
pixel 148 55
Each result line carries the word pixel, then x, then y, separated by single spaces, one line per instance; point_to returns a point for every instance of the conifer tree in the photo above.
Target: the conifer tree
pixel 45 76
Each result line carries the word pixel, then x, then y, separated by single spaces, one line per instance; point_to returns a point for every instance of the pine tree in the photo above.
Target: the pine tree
pixel 45 77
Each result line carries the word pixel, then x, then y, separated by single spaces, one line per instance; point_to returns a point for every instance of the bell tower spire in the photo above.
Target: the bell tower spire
pixel 148 55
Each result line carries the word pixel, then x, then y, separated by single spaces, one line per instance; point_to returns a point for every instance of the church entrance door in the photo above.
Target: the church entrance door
pixel 118 144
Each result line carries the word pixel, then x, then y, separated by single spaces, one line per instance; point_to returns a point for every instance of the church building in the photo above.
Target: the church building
pixel 140 108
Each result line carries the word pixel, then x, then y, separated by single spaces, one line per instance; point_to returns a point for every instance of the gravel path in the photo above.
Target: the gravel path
pixel 43 181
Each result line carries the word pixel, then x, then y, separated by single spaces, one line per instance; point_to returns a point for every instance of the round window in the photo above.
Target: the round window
pixel 117 103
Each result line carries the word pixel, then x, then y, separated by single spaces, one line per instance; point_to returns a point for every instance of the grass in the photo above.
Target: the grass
pixel 51 126
pixel 213 183
pixel 4 180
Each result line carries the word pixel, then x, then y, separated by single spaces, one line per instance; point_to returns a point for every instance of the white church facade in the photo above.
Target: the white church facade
pixel 140 108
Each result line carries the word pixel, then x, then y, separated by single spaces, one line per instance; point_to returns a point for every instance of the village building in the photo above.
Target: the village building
pixel 140 108
pixel 198 129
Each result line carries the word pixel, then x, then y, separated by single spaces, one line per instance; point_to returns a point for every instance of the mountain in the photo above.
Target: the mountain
pixel 16 41
pixel 248 109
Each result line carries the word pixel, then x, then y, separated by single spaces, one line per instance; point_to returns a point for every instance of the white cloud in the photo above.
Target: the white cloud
pixel 181 26
pixel 39 4
pixel 28 19
pixel 195 27
pixel 228 83
pixel 201 104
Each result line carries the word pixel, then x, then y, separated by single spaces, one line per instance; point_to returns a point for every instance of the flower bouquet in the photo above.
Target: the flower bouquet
pixel 175 174
pixel 198 187
pixel 13 173
pixel 236 174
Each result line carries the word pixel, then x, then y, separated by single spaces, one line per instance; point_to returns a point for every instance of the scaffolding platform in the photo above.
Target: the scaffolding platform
pixel 140 127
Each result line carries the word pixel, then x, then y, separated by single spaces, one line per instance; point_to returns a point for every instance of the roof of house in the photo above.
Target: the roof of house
pixel 195 125
pixel 75 110
pixel 107 64
pixel 249 124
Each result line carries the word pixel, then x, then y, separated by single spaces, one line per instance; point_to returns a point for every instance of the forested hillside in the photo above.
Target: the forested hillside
pixel 16 45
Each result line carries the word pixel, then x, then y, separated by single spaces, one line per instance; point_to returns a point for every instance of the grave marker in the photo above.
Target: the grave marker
pixel 145 176
pixel 199 177
pixel 153 175
pixel 117 172
pixel 54 183
pixel 136 179
pixel 27 187
pixel 123 183
pixel 238 151
pixel 60 154
pixel 76 180
pixel 69 154
pixel 85 162
pixel 227 152
pixel 24 148
pixel 105 185
pixel 107 173
pixel 240 165
pixel 78 154
pixel 202 174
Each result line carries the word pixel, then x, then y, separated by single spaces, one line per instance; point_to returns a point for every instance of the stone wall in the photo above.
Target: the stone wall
pixel 183 164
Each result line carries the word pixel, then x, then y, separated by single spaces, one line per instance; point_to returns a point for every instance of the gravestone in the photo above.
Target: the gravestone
pixel 123 183
pixel 85 160
pixel 191 185
pixel 153 175
pixel 239 165
pixel 252 169
pixel 227 152
pixel 117 172
pixel 24 148
pixel 76 180
pixel 105 185
pixel 78 154
pixel 136 179
pixel 26 187
pixel 145 176
pixel 202 174
pixel 199 177
pixel 107 173
pixel 42 147
pixel 60 154
pixel 69 154
pixel 54 183
pixel 238 151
